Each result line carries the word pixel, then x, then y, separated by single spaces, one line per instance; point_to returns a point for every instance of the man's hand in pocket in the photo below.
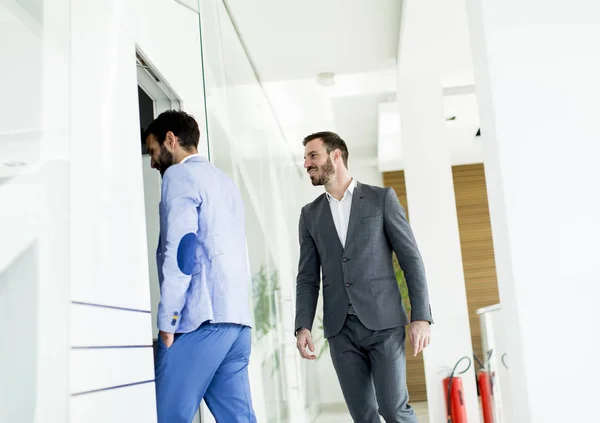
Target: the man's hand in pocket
pixel 167 338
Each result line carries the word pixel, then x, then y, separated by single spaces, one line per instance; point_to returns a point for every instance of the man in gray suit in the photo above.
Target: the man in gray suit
pixel 348 234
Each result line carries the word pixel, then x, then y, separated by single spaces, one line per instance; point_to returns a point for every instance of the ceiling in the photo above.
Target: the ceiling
pixel 357 40
pixel 293 40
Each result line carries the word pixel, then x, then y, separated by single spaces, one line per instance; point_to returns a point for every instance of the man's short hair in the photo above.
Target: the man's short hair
pixel 331 141
pixel 183 126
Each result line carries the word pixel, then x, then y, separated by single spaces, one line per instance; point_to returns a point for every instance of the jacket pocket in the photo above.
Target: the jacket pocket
pixel 374 218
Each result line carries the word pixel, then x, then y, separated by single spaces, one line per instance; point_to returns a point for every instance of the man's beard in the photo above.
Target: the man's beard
pixel 323 174
pixel 165 160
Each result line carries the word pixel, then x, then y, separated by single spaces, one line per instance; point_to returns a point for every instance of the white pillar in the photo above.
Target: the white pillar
pixel 53 210
pixel 431 203
pixel 537 65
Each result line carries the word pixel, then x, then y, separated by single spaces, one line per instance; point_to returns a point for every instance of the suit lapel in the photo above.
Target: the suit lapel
pixel 328 225
pixel 356 212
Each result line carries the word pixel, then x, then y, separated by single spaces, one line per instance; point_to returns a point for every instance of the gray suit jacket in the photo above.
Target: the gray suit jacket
pixel 362 273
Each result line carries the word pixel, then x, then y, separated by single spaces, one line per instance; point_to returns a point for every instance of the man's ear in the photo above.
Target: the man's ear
pixel 170 141
pixel 337 154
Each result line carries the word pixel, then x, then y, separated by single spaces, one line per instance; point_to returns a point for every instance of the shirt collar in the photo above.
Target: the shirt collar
pixel 189 157
pixel 349 190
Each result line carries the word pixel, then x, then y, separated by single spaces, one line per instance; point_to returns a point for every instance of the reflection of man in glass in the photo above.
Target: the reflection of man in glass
pixel 347 238
pixel 204 313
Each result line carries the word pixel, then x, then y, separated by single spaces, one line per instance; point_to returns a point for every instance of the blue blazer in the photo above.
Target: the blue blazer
pixel 202 258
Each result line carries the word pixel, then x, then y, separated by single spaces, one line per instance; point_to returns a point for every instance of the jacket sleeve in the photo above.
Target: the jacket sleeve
pixel 180 203
pixel 402 239
pixel 308 279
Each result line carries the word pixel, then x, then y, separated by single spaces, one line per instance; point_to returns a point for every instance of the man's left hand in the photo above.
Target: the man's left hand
pixel 167 338
pixel 419 332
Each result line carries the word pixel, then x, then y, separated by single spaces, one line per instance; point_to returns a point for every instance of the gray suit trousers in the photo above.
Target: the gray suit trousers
pixel 371 368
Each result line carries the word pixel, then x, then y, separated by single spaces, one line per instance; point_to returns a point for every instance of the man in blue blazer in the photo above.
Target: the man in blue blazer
pixel 204 313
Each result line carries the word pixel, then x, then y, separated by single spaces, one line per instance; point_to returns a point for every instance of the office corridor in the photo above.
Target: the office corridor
pixel 344 417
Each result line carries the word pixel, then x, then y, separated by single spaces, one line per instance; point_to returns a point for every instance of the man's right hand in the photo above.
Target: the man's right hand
pixel 303 340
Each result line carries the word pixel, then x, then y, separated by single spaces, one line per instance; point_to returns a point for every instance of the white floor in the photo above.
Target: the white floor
pixel 344 417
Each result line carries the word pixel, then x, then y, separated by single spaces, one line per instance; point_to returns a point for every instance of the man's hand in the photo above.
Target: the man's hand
pixel 419 335
pixel 167 338
pixel 304 339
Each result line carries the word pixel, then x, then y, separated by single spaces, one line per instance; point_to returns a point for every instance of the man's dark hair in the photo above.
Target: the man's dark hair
pixel 183 126
pixel 331 141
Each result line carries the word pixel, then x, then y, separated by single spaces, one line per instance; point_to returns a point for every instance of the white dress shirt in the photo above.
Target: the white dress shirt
pixel 340 210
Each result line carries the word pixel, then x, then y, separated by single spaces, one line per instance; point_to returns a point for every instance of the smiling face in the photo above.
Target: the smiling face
pixel 318 163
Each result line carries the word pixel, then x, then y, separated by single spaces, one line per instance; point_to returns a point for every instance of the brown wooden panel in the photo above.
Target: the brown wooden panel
pixel 415 370
pixel 477 254
pixel 476 244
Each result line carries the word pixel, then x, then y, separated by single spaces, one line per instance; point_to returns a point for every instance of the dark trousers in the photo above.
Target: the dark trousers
pixel 371 368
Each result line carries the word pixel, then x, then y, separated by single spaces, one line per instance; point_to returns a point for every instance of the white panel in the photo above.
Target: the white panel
pixel 109 258
pixel 19 301
pixel 19 218
pixel 100 326
pixel 152 183
pixel 125 405
pixel 164 50
pixel 100 368
pixel 190 4
pixel 536 72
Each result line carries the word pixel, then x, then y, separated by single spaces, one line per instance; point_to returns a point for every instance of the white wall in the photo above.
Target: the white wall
pixel 536 68
pixel 109 250
pixel 34 199
pixel 152 184
pixel 18 365
pixel 367 174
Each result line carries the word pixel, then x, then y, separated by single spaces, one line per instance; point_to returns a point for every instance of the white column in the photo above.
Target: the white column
pixel 537 67
pixel 431 203
pixel 53 204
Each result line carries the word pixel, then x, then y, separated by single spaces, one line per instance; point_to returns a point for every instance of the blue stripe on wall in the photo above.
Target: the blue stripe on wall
pixel 110 388
pixel 108 347
pixel 110 307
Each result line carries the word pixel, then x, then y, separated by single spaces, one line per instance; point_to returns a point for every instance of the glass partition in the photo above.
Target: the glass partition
pixel 246 141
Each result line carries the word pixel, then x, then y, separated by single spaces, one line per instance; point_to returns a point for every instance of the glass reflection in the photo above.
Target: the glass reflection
pixel 247 143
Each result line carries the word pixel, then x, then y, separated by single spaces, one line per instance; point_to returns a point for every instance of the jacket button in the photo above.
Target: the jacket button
pixel 347 284
pixel 345 259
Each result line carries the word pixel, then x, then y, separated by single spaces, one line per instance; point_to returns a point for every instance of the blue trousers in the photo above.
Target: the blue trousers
pixel 211 363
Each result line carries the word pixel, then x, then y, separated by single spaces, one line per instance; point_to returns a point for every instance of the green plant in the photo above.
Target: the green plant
pixel 264 295
pixel 402 284
pixel 263 292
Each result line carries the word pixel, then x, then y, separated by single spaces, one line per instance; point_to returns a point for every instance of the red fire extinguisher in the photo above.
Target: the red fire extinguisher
pixel 484 381
pixel 453 388
pixel 486 389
